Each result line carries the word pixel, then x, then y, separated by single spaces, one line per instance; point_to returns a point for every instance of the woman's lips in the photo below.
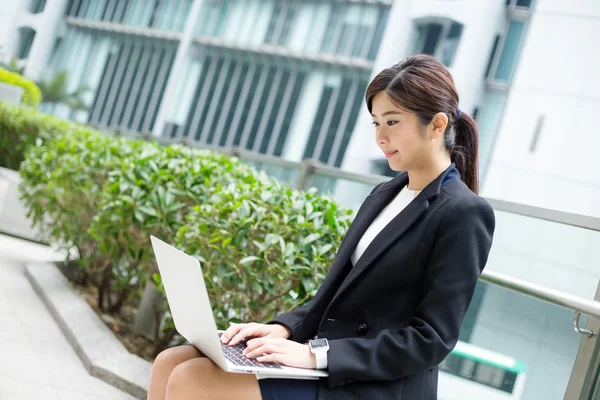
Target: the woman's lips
pixel 389 154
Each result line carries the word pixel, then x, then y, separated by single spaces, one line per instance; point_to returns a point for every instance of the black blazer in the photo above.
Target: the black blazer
pixel 393 317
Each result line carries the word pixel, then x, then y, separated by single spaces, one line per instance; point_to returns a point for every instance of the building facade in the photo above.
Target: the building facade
pixel 287 78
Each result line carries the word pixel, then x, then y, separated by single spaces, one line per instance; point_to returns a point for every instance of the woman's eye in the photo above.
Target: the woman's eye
pixel 390 123
pixel 375 123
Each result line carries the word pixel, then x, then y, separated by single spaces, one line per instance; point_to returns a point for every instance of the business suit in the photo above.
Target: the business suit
pixel 395 315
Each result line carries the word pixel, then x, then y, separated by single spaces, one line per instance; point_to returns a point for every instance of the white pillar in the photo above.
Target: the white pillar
pixel 169 99
pixel 47 24
pixel 9 10
pixel 394 45
pixel 304 116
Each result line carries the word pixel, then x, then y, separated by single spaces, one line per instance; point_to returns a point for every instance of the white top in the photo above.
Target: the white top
pixel 387 214
pixel 398 204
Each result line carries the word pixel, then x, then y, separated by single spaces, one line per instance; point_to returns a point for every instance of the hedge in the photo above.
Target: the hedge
pixel 19 129
pixel 265 247
pixel 32 95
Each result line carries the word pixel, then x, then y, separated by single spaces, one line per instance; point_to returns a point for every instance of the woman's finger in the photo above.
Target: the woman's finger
pixel 275 357
pixel 231 331
pixel 265 349
pixel 246 332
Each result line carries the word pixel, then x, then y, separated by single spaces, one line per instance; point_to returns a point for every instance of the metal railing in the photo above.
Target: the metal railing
pixel 310 167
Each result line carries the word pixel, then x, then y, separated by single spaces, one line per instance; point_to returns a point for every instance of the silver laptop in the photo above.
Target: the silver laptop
pixel 192 314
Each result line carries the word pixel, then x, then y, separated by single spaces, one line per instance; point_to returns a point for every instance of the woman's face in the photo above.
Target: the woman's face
pixel 400 135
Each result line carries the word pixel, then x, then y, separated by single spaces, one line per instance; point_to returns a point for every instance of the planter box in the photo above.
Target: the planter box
pixel 11 94
pixel 13 218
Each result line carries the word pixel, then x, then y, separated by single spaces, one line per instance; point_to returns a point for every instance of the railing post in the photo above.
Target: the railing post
pixel 585 369
pixel 306 171
pixel 233 152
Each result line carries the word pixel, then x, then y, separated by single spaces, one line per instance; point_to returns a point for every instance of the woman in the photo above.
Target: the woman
pixel 395 297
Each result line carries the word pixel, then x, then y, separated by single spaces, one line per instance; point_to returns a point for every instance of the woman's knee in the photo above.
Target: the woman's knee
pixel 171 358
pixel 197 372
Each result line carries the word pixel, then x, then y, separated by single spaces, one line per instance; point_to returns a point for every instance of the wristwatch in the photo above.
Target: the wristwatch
pixel 319 348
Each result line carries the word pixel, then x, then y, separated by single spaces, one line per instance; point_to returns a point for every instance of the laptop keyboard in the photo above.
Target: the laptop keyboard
pixel 235 355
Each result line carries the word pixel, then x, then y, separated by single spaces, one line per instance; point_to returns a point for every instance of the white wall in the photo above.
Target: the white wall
pixel 481 20
pixel 9 37
pixel 561 83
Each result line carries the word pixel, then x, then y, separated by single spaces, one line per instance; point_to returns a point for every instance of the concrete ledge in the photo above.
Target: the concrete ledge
pixel 13 215
pixel 103 355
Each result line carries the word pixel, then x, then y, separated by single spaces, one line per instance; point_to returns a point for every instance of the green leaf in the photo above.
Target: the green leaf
pixel 325 249
pixel 148 211
pixel 257 287
pixel 249 259
pixel 310 239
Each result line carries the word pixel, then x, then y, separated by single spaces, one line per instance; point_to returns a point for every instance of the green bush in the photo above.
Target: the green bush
pixel 32 95
pixel 20 128
pixel 265 248
pixel 63 179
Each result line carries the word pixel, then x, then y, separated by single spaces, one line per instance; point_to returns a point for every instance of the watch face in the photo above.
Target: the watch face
pixel 318 343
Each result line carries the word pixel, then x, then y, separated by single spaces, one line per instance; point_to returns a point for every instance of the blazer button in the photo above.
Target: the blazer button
pixel 362 329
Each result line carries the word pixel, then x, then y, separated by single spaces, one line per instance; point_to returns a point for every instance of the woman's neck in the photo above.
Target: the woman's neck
pixel 418 179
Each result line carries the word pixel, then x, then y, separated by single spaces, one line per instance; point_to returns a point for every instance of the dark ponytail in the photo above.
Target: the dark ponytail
pixel 464 150
pixel 424 86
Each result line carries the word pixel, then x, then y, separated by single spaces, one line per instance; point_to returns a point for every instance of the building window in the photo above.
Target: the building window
pixel 492 55
pixel 519 3
pixel 212 18
pixel 26 36
pixel 354 30
pixel 505 57
pixel 438 38
pixel 335 119
pixel 37 6
pixel 280 24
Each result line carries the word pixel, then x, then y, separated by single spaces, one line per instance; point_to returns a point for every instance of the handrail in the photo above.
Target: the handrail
pixel 314 167
pixel 332 172
pixel 581 221
pixel 575 303
pixel 317 168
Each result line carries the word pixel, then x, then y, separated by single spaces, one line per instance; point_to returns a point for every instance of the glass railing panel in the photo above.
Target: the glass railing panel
pixel 550 254
pixel 512 346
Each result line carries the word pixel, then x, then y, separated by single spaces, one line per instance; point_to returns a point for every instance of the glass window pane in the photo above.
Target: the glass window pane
pixel 432 39
pixel 450 43
pixel 318 122
pixel 508 58
pixel 379 29
pixel 487 122
pixel 524 3
pixel 26 36
pixel 275 15
pixel 289 114
pixel 492 55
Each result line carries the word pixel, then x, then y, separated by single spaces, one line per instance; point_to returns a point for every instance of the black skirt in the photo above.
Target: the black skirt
pixel 289 389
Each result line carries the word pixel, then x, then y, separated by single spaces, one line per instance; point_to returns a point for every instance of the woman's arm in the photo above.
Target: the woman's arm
pixel 460 252
pixel 292 319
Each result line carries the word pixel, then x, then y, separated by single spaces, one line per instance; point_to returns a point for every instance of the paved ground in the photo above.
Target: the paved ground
pixel 36 361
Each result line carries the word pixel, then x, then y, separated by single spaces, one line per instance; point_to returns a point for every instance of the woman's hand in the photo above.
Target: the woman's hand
pixel 282 351
pixel 238 332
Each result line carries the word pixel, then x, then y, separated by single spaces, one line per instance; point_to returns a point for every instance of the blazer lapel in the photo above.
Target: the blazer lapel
pixel 394 230
pixel 369 210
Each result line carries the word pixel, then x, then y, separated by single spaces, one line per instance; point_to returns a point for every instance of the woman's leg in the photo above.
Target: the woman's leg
pixel 164 364
pixel 201 379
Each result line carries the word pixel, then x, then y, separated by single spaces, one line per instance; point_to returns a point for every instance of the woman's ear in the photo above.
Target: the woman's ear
pixel 437 126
